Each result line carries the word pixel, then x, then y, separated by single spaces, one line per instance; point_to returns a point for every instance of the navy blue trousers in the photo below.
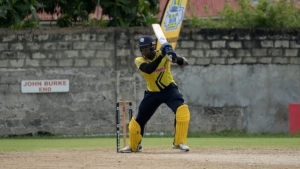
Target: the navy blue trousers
pixel 152 100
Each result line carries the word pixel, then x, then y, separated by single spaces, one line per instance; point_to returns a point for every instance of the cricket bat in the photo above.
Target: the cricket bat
pixel 162 39
pixel 159 34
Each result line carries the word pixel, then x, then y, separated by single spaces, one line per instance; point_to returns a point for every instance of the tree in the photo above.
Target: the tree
pixel 72 11
pixel 130 13
pixel 78 10
pixel 19 13
pixel 3 10
pixel 23 13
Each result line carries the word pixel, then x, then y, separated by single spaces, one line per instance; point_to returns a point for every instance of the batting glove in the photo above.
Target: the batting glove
pixel 166 49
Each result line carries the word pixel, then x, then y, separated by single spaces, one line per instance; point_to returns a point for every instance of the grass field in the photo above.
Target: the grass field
pixel 204 141
pixel 207 150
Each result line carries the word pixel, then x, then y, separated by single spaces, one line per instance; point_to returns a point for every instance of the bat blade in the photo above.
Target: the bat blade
pixel 159 34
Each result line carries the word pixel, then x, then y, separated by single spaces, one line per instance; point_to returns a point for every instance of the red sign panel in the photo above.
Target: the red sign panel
pixel 294 118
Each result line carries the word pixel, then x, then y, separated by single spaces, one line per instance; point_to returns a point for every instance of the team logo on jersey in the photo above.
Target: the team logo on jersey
pixel 160 69
pixel 174 15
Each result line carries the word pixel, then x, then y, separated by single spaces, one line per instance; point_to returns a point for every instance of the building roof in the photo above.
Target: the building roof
pixel 196 7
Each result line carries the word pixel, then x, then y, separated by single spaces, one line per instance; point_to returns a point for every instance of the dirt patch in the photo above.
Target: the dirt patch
pixel 152 158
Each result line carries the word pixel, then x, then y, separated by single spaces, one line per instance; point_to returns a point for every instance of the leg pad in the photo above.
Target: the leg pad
pixel 182 124
pixel 135 136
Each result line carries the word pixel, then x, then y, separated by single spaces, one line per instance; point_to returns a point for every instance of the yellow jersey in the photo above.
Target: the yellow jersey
pixel 160 78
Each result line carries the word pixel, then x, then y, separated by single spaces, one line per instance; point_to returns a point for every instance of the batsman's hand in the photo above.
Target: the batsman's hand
pixel 166 49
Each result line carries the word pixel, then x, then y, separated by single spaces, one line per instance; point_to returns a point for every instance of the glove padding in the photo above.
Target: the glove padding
pixel 166 49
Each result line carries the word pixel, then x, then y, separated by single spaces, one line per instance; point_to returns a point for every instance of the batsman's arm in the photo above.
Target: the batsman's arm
pixel 150 67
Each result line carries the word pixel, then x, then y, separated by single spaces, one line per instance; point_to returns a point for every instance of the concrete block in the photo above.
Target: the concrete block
pixel 65 62
pixel 227 53
pixel 243 53
pixel 250 60
pixel 16 46
pixel 81 62
pixel 32 62
pixel 38 55
pixel 89 37
pixel 212 53
pixel 33 46
pixel 187 44
pixel 9 38
pixel 48 63
pixel 3 46
pixel 291 52
pixel 267 44
pixel 4 63
pixel 234 44
pixel 17 63
pixel 218 44
pixel 203 61
pixel 265 60
pixel 197 53
pixel 232 61
pixel 64 45
pixel 280 60
pixel 202 45
pixel 282 44
pixel 218 61
pixel 259 52
pixel 87 53
pixel 295 61
pixel 110 54
pixel 275 52
pixel 49 46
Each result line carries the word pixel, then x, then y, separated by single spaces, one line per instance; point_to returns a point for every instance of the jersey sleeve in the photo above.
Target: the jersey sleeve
pixel 138 61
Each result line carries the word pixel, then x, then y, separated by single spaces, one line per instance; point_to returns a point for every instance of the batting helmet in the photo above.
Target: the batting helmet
pixel 146 40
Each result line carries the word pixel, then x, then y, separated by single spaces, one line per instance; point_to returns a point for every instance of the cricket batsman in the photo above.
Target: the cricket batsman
pixel 155 67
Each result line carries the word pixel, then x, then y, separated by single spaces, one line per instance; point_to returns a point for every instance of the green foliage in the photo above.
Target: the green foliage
pixel 115 9
pixel 130 13
pixel 147 11
pixel 73 11
pixel 14 12
pixel 29 23
pixel 265 14
pixel 78 10
pixel 64 21
pixel 2 10
pixel 95 23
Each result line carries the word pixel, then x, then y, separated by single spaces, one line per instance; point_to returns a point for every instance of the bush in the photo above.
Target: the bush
pixel 265 14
